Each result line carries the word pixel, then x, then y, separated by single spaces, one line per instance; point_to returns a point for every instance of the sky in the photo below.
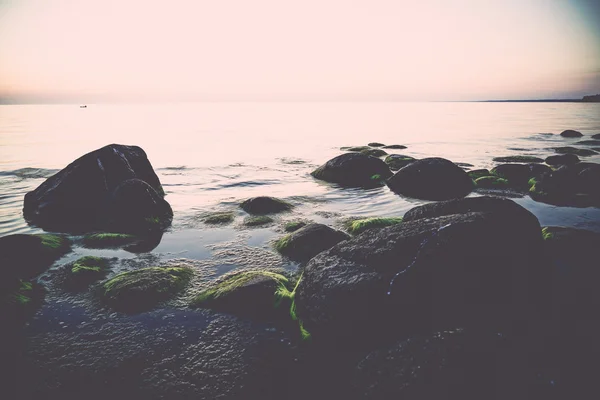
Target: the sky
pixel 355 50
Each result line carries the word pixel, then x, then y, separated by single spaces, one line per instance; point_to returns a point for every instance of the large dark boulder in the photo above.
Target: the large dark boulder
pixel 571 133
pixel 431 179
pixel 469 262
pixel 308 241
pixel 562 159
pixel 353 169
pixel 576 184
pixel 78 198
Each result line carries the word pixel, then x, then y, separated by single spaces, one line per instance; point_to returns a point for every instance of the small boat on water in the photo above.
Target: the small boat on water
pixel 83 106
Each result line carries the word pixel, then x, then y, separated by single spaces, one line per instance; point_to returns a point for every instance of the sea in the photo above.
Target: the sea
pixel 211 156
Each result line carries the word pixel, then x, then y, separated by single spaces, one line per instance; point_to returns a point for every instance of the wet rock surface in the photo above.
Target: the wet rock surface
pixel 265 205
pixel 353 169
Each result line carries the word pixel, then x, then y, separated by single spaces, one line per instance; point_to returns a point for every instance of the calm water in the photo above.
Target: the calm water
pixel 210 156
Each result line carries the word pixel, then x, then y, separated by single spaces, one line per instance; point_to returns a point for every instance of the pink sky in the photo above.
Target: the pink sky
pixel 91 50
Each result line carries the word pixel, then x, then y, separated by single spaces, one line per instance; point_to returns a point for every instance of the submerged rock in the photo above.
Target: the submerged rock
pixel 431 179
pixel 577 185
pixel 519 159
pixel 79 198
pixel 255 294
pixel 308 241
pixel 142 289
pixel 571 133
pixel 293 226
pixel 563 159
pixel 576 151
pixel 353 169
pixel 374 152
pixel 395 147
pixel 265 205
pixel 441 267
pixel 219 218
pixel 589 142
pixel 257 220
pixel 107 240
pixel 376 144
pixel 397 161
pixel 83 272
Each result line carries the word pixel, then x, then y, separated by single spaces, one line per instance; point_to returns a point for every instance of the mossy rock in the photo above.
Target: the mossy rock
pixel 309 241
pixel 292 226
pixel 257 294
pixel 356 226
pixel 491 182
pixel 219 218
pixel 108 240
pixel 86 270
pixel 376 144
pixel 257 220
pixel 395 147
pixel 143 289
pixel 355 148
pixel 576 151
pixel 25 256
pixel 478 173
pixel 397 161
pixel 265 205
pixel 18 300
pixel 374 152
pixel 519 159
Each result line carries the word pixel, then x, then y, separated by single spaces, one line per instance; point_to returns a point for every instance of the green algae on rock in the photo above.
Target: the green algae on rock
pixel 374 152
pixel 84 271
pixel 108 240
pixel 219 218
pixel 265 205
pixel 397 161
pixel 490 182
pixel 519 159
pixel 19 299
pixel 478 173
pixel 356 226
pixel 293 226
pixel 142 289
pixel 257 220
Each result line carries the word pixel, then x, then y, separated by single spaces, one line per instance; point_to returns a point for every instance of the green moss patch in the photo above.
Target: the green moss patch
pixel 55 244
pixel 219 218
pixel 293 226
pixel 257 220
pixel 357 226
pixel 478 173
pixel 144 288
pixel 83 272
pixel 546 234
pixel 107 240
pixel 490 182
pixel 18 300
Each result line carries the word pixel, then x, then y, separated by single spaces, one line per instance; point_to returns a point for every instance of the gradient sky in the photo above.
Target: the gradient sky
pixel 95 50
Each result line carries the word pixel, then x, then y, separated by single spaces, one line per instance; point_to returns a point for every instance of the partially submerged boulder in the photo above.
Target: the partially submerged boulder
pixel 142 289
pixel 397 161
pixel 571 133
pixel 265 205
pixel 395 147
pixel 353 169
pixel 219 218
pixel 81 197
pixel 374 152
pixel 439 268
pixel 576 185
pixel 519 174
pixel 431 179
pixel 308 241
pixel 519 159
pixel 257 220
pixel 589 142
pixel 79 274
pixel 575 150
pixel 104 240
pixel 26 256
pixel 293 226
pixel 376 144
pixel 254 294
pixel 562 159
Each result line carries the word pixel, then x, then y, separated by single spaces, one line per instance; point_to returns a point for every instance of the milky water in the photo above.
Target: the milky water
pixel 211 156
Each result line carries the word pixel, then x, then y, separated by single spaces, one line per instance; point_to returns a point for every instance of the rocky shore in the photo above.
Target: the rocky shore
pixel 466 296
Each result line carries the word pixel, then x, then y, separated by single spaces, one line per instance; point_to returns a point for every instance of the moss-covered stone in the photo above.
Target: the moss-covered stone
pixel 144 288
pixel 376 144
pixel 519 159
pixel 576 151
pixel 293 226
pixel 355 148
pixel 397 161
pixel 219 218
pixel 547 234
pixel 357 226
pixel 108 240
pixel 395 147
pixel 86 270
pixel 309 241
pixel 18 300
pixel 478 173
pixel 374 152
pixel 491 182
pixel 257 220
pixel 265 205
